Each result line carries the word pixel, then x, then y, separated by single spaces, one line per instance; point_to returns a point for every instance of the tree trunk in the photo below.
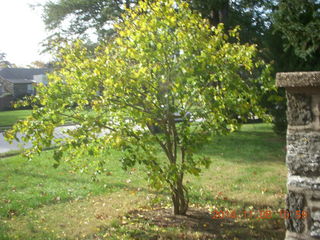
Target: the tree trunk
pixel 180 198
pixel 224 13
pixel 219 13
pixel 214 17
pixel 128 4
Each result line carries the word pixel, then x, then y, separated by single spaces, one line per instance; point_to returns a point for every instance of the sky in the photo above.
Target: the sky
pixel 21 31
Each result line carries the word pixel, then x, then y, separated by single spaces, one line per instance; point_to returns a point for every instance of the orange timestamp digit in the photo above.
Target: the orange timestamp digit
pixel 285 214
pixel 299 214
pixel 265 214
pixel 217 214
pixel 224 214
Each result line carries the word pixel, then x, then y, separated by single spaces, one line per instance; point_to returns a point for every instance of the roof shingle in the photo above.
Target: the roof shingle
pixel 21 75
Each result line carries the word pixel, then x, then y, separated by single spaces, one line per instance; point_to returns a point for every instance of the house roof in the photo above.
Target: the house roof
pixel 16 81
pixel 21 75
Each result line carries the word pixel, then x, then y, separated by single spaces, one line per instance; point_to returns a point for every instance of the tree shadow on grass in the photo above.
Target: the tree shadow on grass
pixel 232 203
pixel 197 224
pixel 51 177
pixel 13 209
pixel 246 147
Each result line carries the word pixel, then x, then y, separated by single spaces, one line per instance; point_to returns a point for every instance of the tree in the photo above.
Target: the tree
pixel 41 64
pixel 4 63
pixel 291 42
pixel 299 24
pixel 251 15
pixel 81 17
pixel 167 69
pixel 90 21
pixel 37 64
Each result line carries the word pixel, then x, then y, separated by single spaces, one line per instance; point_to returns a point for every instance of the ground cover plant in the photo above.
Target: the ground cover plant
pixel 248 173
pixel 168 78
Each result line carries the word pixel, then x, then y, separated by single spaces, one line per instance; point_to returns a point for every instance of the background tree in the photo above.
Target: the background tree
pixel 41 64
pixel 166 69
pixel 4 63
pixel 252 16
pixel 83 19
pixel 37 64
pixel 78 18
pixel 299 25
pixel 291 43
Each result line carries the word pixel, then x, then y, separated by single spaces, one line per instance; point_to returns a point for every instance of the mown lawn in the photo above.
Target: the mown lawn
pixel 8 118
pixel 247 173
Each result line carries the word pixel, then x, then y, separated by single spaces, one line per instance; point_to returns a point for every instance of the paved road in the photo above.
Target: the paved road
pixel 6 147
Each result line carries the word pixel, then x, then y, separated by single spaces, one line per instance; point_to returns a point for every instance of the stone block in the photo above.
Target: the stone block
pixel 299 109
pixel 298 79
pixel 295 202
pixel 303 153
pixel 315 215
pixel 304 183
pixel 315 230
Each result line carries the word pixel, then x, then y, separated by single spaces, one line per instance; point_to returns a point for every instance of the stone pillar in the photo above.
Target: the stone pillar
pixel 303 153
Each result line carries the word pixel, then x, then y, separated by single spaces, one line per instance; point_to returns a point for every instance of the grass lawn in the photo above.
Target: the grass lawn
pixel 8 118
pixel 247 173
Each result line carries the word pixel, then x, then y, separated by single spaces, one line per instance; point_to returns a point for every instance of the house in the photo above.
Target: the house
pixel 18 83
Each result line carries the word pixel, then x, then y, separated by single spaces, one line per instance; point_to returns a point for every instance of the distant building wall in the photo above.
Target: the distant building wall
pixel 21 90
pixel 7 86
pixel 303 153
pixel 5 101
pixel 41 78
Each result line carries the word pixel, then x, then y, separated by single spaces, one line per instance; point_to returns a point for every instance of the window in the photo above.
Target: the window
pixel 29 89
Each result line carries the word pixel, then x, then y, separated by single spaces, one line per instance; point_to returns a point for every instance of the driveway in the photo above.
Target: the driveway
pixel 6 146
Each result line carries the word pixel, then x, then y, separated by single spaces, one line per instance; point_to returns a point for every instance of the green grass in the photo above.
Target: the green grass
pixel 8 118
pixel 247 173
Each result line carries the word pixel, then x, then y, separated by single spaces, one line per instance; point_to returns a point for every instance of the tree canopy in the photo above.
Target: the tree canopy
pixel 284 30
pixel 78 18
pixel 168 81
pixel 299 23
pixel 4 62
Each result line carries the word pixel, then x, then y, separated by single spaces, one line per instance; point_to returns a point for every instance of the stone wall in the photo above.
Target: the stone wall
pixel 303 152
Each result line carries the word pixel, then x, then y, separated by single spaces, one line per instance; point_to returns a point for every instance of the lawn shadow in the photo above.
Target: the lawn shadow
pixel 246 147
pixel 12 209
pixel 52 177
pixel 197 224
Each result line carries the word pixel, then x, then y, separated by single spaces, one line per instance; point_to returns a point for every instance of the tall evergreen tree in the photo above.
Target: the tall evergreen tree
pixel 298 22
